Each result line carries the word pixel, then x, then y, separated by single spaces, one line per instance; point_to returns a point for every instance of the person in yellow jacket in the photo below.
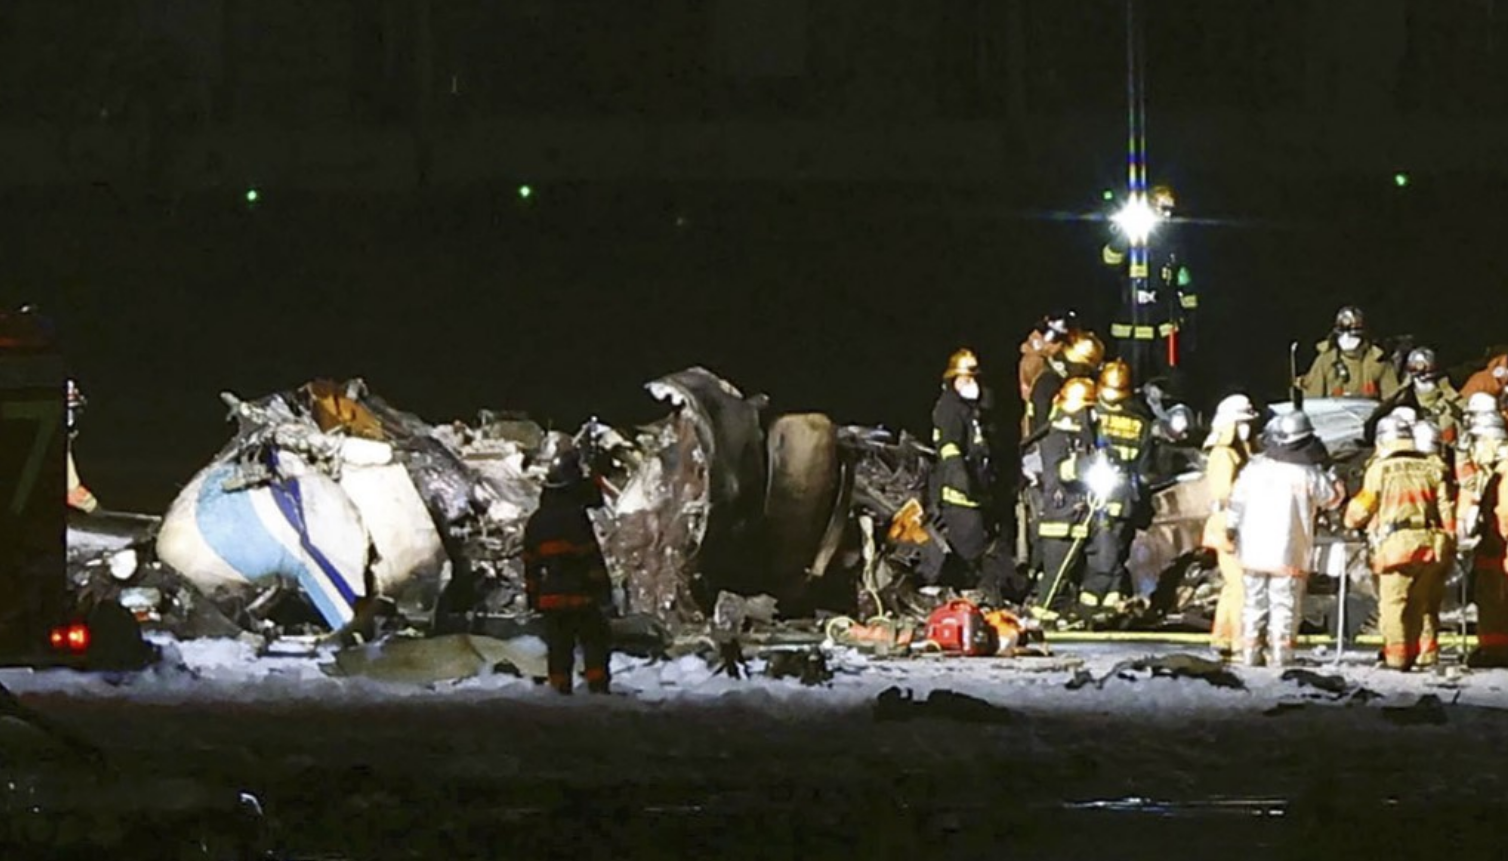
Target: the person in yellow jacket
pixel 1483 529
pixel 1227 449
pixel 1405 505
pixel 1347 364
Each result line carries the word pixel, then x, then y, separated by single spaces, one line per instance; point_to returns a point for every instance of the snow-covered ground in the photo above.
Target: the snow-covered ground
pixel 686 762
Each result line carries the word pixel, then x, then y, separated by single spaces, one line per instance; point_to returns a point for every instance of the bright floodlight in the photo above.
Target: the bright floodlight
pixel 1101 477
pixel 1136 219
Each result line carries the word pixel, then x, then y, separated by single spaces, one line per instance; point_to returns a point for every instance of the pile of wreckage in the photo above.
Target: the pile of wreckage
pixel 332 512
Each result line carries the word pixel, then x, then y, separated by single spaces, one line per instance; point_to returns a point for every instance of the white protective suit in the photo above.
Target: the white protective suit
pixel 1273 509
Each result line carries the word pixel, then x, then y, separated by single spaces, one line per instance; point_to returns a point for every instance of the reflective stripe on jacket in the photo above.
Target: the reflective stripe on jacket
pixel 1405 503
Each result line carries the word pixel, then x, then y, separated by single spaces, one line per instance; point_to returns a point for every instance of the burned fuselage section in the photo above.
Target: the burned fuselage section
pixel 330 499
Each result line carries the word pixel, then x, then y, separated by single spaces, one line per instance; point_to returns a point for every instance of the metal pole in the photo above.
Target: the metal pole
pixel 1340 615
pixel 1138 253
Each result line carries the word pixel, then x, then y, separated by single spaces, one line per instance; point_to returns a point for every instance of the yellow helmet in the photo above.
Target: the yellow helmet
pixel 963 363
pixel 1076 394
pixel 1115 382
pixel 1162 197
pixel 1085 349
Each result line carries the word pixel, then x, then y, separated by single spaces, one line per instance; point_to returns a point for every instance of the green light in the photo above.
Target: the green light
pixel 1107 195
pixel 252 195
pixel 525 192
pixel 1401 180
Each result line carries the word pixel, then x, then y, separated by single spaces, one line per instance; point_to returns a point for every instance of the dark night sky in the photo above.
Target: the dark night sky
pixel 845 297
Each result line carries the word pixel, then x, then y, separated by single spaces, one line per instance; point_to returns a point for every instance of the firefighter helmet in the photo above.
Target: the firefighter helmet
pixel 963 363
pixel 1180 422
pixel 1488 426
pixel 1392 430
pixel 1232 410
pixel 1292 427
pixel 1115 382
pixel 1059 325
pixel 1421 364
pixel 1349 319
pixel 1163 199
pixel 1076 394
pixel 565 469
pixel 1085 350
pixel 1481 403
pixel 1427 437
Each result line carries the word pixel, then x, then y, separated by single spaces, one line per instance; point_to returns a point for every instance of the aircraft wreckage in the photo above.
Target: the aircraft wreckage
pixel 329 507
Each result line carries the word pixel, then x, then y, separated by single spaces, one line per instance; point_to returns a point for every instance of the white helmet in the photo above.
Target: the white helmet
pixel 1427 438
pixel 1233 410
pixel 1407 415
pixel 1488 426
pixel 1481 402
pixel 1392 430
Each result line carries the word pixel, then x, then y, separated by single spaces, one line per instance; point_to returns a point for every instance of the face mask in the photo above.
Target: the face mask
pixel 968 389
pixel 1499 372
pixel 1348 342
pixel 1424 385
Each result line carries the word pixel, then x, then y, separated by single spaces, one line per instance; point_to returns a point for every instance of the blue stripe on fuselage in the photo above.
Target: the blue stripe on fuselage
pixel 235 532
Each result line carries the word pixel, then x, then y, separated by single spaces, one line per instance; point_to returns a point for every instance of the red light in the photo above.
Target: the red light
pixel 72 638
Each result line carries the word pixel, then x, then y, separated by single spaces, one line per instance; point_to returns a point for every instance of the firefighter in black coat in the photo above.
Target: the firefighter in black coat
pixel 565 575
pixel 965 478
pixel 1123 435
pixel 1064 527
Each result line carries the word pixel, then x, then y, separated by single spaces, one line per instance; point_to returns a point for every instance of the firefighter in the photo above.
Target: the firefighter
pixel 1348 364
pixel 1047 338
pixel 79 496
pixel 1063 526
pixel 1405 503
pixel 1080 356
pixel 1271 520
pixel 1493 379
pixel 1227 449
pixel 1160 315
pixel 1483 531
pixel 565 575
pixel 1429 393
pixel 1123 434
pixel 964 493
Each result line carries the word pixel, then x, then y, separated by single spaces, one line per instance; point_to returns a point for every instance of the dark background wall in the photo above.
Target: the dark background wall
pixel 817 200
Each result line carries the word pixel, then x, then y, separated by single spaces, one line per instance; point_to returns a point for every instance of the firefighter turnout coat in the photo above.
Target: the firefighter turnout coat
pixel 1361 373
pixel 962 451
pixel 1405 503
